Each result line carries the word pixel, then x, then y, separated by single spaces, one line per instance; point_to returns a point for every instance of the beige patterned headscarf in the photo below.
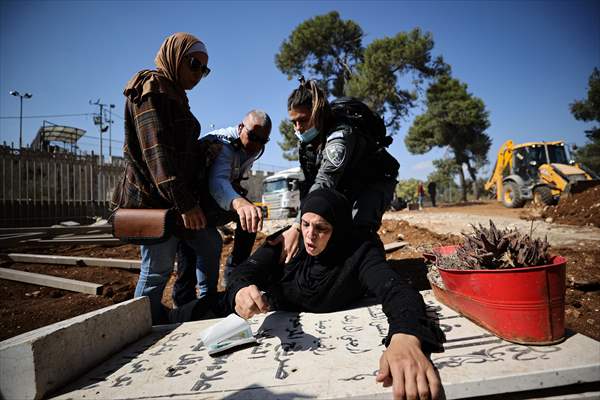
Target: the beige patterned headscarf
pixel 166 77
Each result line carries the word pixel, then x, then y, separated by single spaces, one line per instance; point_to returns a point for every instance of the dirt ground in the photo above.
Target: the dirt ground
pixel 24 307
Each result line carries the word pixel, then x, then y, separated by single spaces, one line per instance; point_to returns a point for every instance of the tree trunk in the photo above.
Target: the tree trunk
pixel 473 175
pixel 463 184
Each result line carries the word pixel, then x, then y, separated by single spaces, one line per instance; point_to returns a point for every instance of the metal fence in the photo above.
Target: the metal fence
pixel 41 188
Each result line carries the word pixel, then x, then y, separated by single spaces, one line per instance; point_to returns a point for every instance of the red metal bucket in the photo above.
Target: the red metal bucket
pixel 521 305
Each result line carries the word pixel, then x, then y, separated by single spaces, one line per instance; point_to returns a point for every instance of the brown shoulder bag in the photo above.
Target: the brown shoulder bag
pixel 146 226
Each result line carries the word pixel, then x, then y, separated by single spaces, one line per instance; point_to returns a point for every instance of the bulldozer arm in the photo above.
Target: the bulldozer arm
pixel 494 183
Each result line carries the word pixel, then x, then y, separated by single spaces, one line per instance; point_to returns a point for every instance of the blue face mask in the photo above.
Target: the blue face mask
pixel 308 135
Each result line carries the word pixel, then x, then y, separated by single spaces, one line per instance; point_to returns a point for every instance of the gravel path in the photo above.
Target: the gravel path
pixel 456 223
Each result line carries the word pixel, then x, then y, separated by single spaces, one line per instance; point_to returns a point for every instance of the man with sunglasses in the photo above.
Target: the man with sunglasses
pixel 232 152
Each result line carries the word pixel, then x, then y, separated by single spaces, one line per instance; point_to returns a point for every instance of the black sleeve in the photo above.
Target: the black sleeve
pixel 337 155
pixel 402 304
pixel 256 270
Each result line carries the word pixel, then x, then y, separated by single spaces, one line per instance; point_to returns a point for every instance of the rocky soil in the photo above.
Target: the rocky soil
pixel 24 307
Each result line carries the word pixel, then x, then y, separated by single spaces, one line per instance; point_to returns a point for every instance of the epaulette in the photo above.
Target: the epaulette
pixel 336 134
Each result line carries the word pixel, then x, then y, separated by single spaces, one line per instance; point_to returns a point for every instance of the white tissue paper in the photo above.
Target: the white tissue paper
pixel 229 332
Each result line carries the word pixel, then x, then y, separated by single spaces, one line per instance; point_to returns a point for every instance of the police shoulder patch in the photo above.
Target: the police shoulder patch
pixel 335 153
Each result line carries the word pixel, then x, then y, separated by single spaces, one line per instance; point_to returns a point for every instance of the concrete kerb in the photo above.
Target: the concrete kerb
pixel 38 362
pixel 71 260
pixel 50 281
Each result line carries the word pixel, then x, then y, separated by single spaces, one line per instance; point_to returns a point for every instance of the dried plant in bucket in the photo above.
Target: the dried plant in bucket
pixel 505 282
pixel 491 248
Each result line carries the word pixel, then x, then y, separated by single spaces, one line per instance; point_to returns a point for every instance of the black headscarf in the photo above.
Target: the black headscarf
pixel 313 283
pixel 335 209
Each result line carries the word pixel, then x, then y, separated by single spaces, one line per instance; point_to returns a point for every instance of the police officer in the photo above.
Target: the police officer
pixel 230 153
pixel 337 155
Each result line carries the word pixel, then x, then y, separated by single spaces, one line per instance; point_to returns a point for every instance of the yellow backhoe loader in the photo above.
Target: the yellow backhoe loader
pixel 538 171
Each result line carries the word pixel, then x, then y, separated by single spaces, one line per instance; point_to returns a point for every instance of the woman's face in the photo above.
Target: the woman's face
pixel 300 118
pixel 188 77
pixel 316 232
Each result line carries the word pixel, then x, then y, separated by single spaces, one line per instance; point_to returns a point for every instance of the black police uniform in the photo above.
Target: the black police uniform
pixel 352 163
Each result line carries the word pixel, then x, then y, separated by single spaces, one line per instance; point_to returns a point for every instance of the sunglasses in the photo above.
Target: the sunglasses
pixel 196 66
pixel 255 138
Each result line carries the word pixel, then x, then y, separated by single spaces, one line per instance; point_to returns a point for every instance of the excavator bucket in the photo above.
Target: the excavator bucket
pixel 581 186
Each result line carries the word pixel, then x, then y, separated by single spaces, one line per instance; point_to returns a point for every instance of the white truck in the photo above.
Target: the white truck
pixel 281 193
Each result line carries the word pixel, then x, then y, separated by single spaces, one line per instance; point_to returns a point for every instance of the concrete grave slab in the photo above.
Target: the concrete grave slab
pixel 50 281
pixel 37 362
pixel 71 260
pixel 330 356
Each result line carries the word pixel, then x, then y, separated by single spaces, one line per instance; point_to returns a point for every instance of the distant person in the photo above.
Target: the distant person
pixel 431 189
pixel 336 153
pixel 161 135
pixel 233 151
pixel 420 195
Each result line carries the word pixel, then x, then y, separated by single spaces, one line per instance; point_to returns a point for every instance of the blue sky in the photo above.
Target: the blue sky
pixel 527 60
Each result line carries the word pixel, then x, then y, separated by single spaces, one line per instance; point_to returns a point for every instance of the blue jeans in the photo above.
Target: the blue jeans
pixel 157 265
pixel 191 270
pixel 191 276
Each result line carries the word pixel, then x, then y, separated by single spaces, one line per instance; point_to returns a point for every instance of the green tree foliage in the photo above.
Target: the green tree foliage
pixel 445 171
pixel 289 145
pixel 454 118
pixel 588 110
pixel 325 48
pixel 388 60
pixel 589 154
pixel 407 189
pixel 444 176
pixel 330 50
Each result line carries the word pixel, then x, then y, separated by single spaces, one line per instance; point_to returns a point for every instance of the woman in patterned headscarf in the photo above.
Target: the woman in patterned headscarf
pixel 160 141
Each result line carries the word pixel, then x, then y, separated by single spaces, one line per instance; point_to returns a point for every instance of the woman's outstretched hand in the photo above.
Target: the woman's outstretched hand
pixel 249 301
pixel 412 375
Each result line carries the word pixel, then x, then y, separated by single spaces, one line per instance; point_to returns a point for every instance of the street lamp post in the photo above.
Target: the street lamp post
pixel 21 96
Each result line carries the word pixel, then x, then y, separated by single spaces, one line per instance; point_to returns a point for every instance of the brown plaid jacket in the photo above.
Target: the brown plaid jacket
pixel 161 149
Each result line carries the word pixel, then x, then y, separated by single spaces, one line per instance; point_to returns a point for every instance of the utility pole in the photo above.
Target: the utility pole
pixel 99 120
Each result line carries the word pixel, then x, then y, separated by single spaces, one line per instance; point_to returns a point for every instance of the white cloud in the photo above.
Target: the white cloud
pixel 422 166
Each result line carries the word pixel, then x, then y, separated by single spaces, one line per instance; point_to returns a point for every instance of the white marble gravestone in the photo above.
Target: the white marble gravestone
pixel 329 356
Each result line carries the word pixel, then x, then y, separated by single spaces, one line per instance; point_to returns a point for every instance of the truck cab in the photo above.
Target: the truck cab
pixel 281 193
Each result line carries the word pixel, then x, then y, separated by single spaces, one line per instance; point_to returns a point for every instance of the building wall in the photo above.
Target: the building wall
pixel 254 184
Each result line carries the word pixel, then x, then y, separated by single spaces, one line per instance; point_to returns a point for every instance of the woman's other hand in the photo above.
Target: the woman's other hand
pixel 249 301
pixel 290 240
pixel 404 366
pixel 194 219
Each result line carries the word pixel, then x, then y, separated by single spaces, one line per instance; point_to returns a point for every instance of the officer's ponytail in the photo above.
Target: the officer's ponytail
pixel 309 95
